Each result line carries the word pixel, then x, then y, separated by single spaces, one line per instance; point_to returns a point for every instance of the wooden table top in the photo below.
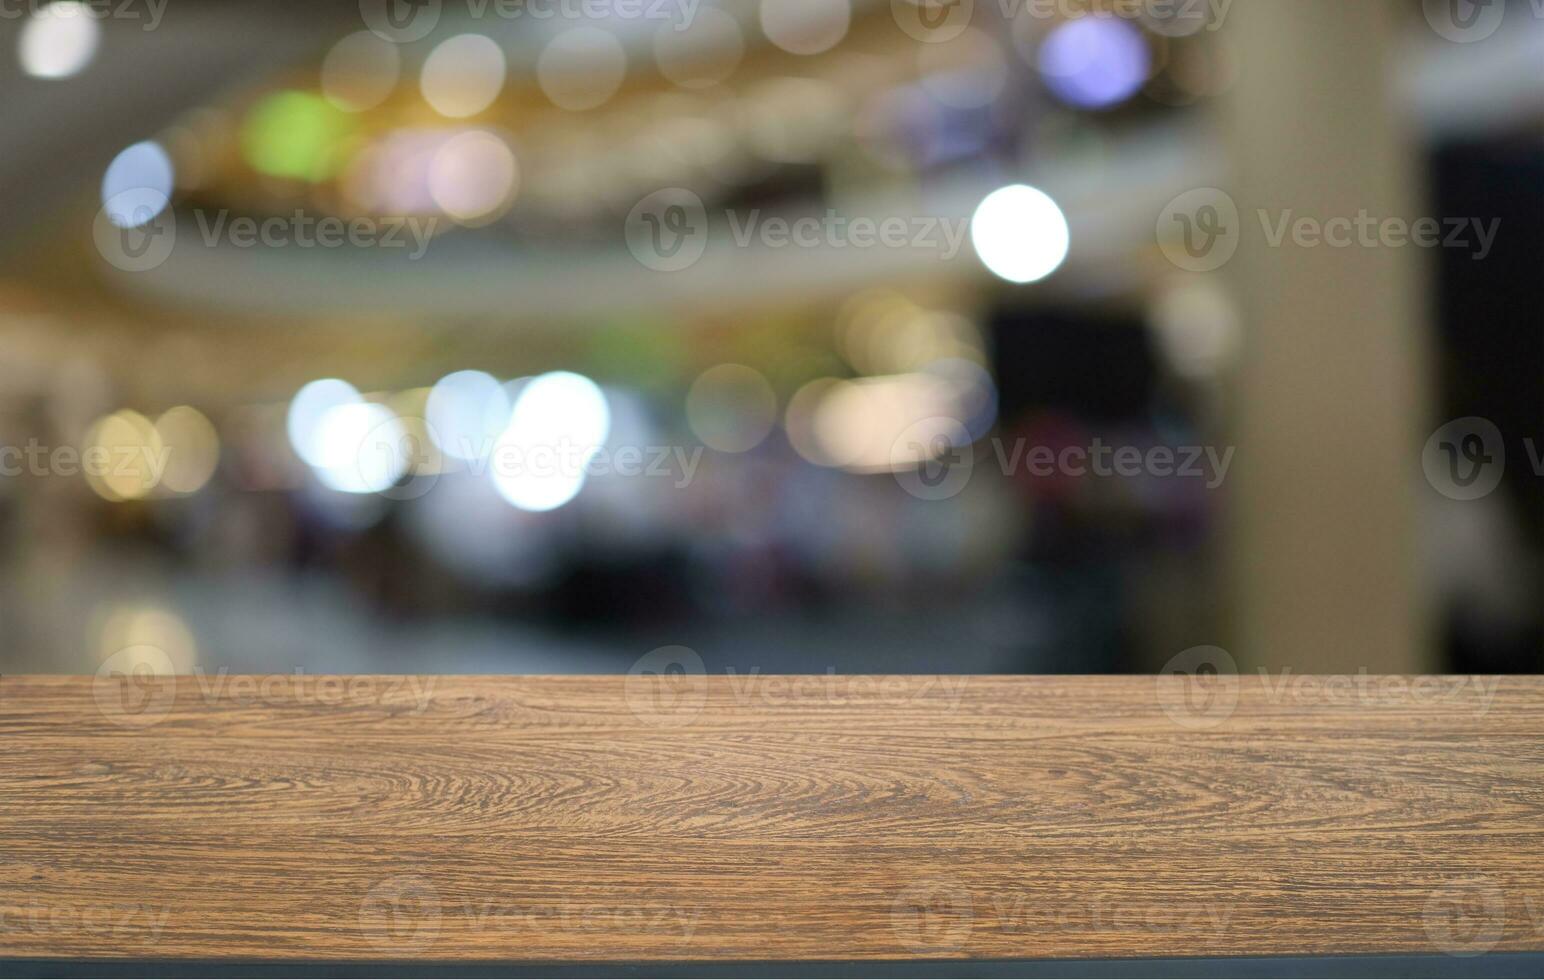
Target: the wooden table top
pixel 767 818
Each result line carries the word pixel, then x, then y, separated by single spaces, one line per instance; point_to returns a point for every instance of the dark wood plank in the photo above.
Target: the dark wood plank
pixel 691 818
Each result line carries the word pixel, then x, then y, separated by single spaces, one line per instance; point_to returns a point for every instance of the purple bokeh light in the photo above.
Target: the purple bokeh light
pixel 1094 62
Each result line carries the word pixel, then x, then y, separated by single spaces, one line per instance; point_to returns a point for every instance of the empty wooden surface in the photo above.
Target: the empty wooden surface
pixel 691 818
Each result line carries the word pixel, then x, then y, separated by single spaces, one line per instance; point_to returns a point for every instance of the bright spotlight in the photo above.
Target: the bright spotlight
pixel 1020 233
pixel 560 421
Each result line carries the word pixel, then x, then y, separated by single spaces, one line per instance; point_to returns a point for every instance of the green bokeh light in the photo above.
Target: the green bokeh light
pixel 295 134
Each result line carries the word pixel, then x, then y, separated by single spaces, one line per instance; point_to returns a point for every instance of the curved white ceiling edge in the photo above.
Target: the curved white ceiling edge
pixel 1111 215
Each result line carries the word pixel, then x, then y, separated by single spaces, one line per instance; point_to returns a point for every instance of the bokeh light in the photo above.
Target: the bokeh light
pixel 467 411
pixel 1094 62
pixel 805 26
pixel 731 408
pixel 146 639
pixel 799 421
pixel 192 449
pixel 704 54
pixel 877 424
pixel 137 185
pixel 463 75
pixel 581 68
pixel 1197 327
pixel 306 411
pixel 473 176
pixel 971 391
pixel 1020 234
pixel 392 176
pixel 58 40
pixel 360 71
pixel 560 421
pixel 124 456
pixel 881 332
pixel 296 135
pixel 364 446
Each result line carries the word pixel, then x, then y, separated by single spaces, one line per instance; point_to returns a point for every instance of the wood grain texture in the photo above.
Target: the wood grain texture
pixel 692 818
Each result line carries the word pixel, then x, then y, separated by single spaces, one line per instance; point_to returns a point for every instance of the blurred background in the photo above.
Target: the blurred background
pixel 527 336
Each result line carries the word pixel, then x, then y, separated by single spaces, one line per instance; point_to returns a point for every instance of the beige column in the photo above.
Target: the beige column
pixel 1330 394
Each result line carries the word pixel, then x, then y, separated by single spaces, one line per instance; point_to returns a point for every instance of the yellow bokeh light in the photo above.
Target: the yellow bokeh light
pixel 149 638
pixel 124 457
pixel 192 449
